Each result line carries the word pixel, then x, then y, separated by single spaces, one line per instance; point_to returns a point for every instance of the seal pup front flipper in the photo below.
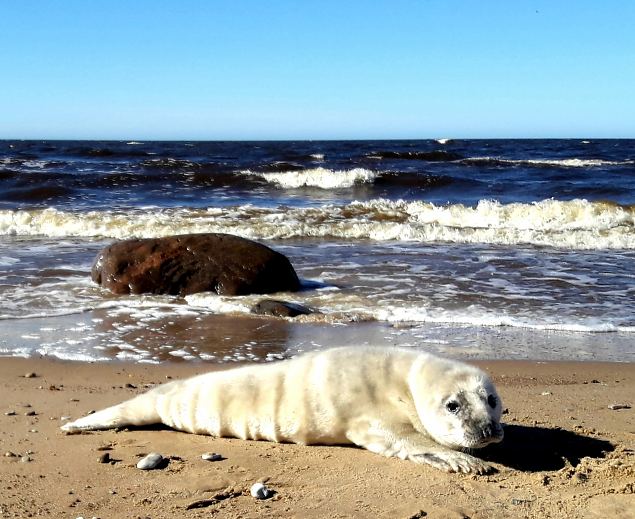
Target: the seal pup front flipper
pixel 405 442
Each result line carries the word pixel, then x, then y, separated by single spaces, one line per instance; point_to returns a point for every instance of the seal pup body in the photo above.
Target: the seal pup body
pixel 391 401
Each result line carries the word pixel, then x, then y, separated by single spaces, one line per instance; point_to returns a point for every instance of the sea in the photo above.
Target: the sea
pixel 476 249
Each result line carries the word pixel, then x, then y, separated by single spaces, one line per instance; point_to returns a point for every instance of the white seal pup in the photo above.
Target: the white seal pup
pixel 391 401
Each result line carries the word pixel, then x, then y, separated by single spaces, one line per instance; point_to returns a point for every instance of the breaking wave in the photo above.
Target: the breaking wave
pixel 546 163
pixel 575 224
pixel 322 178
pixel 451 156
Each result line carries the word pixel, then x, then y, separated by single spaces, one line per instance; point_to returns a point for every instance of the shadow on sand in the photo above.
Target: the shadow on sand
pixel 529 449
pixel 534 449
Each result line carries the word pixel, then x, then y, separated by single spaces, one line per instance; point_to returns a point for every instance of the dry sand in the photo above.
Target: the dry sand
pixel 566 454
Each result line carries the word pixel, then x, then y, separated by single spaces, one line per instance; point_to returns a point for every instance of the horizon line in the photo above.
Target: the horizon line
pixel 334 139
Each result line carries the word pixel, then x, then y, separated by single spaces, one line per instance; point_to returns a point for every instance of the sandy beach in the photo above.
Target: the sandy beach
pixel 566 454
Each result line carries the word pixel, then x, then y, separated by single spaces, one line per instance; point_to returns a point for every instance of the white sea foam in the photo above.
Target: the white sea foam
pixel 479 318
pixel 342 307
pixel 347 308
pixel 8 261
pixel 181 354
pixel 33 164
pixel 577 163
pixel 322 178
pixel 567 163
pixel 220 304
pixel 132 316
pixel 16 352
pixel 443 141
pixel 576 224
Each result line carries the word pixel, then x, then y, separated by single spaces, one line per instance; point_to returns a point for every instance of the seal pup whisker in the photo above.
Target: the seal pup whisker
pixel 392 401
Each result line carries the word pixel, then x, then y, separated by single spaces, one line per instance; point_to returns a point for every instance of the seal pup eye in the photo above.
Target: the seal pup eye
pixel 491 400
pixel 452 406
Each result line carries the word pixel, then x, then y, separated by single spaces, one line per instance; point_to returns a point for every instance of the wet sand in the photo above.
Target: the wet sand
pixel 152 334
pixel 566 454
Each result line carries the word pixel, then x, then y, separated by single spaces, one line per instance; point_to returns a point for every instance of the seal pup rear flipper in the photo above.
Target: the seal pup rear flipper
pixel 140 410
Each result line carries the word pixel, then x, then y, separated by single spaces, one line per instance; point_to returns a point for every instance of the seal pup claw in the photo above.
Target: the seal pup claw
pixel 394 402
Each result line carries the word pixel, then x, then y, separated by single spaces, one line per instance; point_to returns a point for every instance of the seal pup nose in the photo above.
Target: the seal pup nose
pixel 493 432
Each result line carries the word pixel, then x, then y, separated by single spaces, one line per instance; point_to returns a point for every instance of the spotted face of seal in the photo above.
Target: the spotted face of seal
pixel 463 412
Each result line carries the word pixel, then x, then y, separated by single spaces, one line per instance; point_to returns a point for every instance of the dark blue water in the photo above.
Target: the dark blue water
pixel 198 174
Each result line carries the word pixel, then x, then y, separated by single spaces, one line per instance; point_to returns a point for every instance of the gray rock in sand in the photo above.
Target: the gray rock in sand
pixel 280 308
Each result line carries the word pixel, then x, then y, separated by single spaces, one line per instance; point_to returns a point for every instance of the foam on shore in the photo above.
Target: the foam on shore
pixel 574 224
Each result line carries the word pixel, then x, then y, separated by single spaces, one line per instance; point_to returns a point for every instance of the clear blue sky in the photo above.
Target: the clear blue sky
pixel 233 69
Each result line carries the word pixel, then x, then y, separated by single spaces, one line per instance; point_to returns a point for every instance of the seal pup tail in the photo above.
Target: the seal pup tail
pixel 140 410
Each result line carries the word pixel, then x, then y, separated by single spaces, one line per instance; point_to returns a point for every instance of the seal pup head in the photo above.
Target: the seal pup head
pixel 457 404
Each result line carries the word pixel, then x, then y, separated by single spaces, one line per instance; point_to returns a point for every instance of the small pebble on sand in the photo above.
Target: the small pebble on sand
pixel 104 458
pixel 260 491
pixel 211 456
pixel 152 461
